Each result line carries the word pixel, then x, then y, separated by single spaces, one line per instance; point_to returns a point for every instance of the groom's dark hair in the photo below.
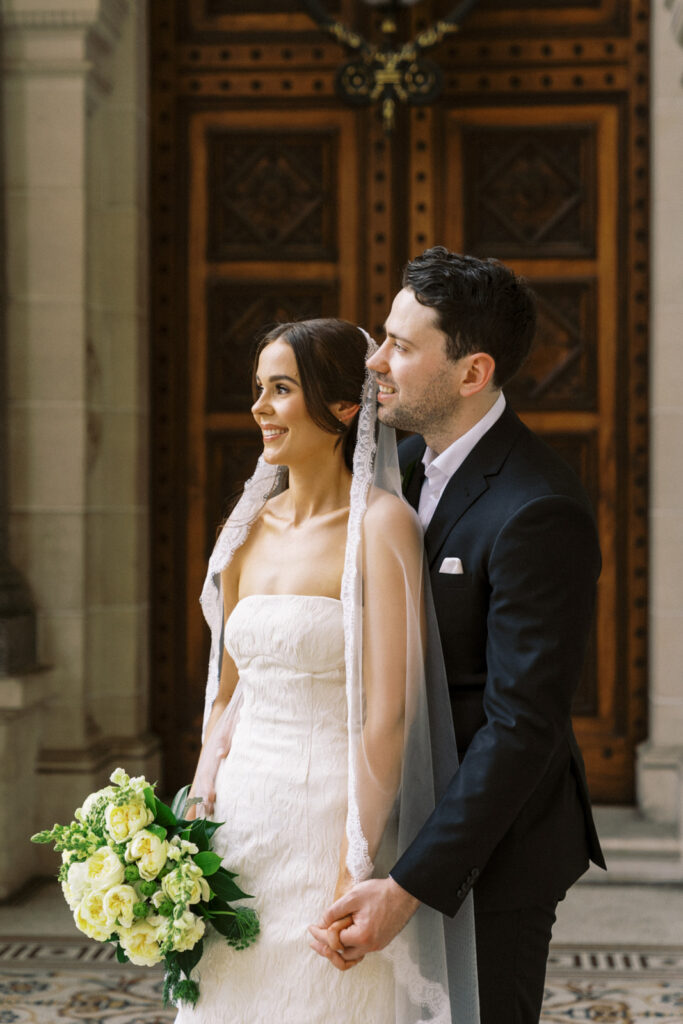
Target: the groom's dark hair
pixel 480 305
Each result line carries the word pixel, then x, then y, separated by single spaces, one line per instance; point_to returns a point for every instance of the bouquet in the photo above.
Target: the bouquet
pixel 136 873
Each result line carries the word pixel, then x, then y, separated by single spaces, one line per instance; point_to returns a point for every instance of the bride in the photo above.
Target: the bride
pixel 317 692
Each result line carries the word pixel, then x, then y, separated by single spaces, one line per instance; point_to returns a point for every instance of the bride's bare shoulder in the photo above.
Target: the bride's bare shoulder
pixel 388 514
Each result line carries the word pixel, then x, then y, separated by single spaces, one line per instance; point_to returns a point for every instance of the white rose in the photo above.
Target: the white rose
pixel 187 931
pixel 76 884
pixel 140 944
pixel 92 918
pixel 90 801
pixel 150 853
pixel 118 904
pixel 186 884
pixel 119 777
pixel 127 819
pixel 103 869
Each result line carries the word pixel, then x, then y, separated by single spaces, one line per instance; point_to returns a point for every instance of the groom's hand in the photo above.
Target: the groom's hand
pixel 379 909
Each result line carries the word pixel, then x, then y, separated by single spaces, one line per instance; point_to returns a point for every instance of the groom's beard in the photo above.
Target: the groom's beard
pixel 426 414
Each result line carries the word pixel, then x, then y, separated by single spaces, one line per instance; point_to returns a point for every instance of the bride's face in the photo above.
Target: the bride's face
pixel 290 437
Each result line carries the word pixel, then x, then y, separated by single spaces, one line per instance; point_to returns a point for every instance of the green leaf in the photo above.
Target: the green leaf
pixel 189 958
pixel 179 801
pixel 226 925
pixel 208 861
pixel 120 955
pixel 212 827
pixel 198 834
pixel 240 928
pixel 157 830
pixel 163 814
pixel 222 885
pixel 150 799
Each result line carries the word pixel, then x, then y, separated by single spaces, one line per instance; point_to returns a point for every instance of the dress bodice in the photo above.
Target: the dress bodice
pixel 299 632
pixel 289 653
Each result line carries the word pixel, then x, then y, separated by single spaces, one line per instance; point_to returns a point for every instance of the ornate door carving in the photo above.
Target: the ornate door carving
pixel 272 199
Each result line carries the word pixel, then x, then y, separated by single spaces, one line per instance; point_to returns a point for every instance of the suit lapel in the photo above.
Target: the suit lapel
pixel 462 490
pixel 413 475
pixel 471 480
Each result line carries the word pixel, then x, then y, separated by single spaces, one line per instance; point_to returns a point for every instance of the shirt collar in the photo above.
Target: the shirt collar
pixel 453 457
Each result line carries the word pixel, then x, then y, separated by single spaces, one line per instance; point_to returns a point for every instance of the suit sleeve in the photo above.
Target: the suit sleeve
pixel 543 569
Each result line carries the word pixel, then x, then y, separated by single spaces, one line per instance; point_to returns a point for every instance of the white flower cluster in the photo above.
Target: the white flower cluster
pixel 137 886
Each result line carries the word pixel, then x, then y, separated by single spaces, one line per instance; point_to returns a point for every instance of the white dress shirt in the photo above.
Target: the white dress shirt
pixel 440 468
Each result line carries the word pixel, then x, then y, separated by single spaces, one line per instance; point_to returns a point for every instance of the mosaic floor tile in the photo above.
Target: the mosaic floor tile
pixel 72 981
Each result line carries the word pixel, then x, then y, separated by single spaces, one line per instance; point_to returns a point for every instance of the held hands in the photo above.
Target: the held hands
pixel 326 941
pixel 365 919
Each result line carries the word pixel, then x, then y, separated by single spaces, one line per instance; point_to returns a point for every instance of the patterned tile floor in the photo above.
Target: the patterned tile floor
pixel 614 985
pixel 72 981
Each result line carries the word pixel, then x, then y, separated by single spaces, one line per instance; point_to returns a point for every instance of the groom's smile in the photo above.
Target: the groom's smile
pixel 385 390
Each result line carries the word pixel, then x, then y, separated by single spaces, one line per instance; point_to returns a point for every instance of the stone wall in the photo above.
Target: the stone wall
pixel 660 774
pixel 75 192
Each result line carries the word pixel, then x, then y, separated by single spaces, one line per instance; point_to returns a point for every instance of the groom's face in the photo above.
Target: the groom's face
pixel 418 384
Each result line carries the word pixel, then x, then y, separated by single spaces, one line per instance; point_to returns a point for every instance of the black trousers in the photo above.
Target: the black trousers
pixel 512 952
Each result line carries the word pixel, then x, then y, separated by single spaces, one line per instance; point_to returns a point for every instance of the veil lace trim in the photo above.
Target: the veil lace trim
pixel 265 482
pixel 430 996
pixel 358 859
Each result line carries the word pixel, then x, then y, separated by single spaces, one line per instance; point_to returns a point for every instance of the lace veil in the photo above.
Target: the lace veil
pixel 394 676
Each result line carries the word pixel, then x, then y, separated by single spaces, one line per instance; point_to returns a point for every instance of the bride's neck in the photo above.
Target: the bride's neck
pixel 317 489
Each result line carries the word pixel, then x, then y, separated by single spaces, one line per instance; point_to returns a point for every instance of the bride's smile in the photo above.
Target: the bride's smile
pixel 290 435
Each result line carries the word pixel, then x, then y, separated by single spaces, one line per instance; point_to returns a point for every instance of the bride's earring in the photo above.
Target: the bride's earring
pixel 348 410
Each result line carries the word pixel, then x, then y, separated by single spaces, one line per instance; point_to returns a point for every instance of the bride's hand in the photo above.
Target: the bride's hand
pixel 326 942
pixel 332 933
pixel 202 810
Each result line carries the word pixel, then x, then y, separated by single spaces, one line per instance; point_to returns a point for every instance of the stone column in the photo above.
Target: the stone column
pixel 660 763
pixel 20 687
pixel 74 88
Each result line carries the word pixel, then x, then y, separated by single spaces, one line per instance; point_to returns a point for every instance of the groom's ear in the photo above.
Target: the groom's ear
pixel 344 411
pixel 478 373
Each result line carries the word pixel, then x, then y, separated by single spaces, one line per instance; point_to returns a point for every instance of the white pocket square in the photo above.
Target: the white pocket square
pixel 452 565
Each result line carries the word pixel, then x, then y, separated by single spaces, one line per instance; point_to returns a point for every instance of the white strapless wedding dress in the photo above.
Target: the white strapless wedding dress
pixel 282 795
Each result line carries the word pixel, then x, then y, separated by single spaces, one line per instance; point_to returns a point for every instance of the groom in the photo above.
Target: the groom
pixel 514 559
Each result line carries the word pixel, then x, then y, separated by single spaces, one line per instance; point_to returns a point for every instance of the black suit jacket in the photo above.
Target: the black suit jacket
pixel 515 819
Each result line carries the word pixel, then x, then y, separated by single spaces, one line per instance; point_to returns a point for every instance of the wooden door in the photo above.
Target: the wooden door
pixel 273 199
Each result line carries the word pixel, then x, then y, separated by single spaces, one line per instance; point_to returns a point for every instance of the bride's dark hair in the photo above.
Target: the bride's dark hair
pixel 330 357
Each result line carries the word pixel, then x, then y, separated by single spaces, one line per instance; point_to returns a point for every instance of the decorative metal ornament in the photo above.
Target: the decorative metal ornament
pixel 381 74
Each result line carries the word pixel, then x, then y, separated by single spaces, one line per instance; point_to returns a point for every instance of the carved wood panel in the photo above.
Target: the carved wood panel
pixel 567 244
pixel 237 315
pixel 531 191
pixel 272 215
pixel 561 369
pixel 272 197
pixel 273 200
